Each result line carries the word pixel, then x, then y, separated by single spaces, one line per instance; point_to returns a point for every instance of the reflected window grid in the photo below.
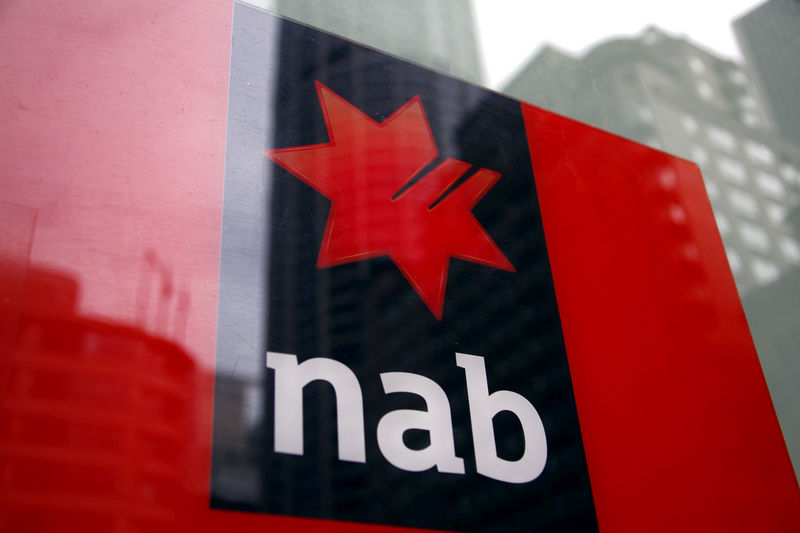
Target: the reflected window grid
pixel 790 249
pixel 770 184
pixel 754 236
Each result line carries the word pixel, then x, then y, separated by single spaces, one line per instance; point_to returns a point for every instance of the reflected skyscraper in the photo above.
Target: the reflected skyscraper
pixel 768 37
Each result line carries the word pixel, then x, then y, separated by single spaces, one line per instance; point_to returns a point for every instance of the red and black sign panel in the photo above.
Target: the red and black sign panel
pixel 399 239
pixel 389 350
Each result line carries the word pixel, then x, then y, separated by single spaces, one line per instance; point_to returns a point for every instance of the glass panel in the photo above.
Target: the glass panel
pixel 163 197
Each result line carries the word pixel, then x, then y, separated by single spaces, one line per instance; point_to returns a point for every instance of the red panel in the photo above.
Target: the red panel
pixel 677 422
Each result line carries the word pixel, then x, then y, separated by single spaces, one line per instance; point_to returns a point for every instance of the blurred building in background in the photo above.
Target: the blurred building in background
pixel 769 38
pixel 673 95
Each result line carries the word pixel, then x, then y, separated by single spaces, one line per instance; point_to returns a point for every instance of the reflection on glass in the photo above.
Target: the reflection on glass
pixel 98 419
pixel 99 413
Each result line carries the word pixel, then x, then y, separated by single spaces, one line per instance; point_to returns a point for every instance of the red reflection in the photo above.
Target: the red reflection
pixel 98 420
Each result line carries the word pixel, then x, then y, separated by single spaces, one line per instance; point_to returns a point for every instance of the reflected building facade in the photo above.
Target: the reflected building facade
pixel 99 420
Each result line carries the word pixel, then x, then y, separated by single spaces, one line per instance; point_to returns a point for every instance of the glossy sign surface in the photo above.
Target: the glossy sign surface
pixel 359 266
pixel 113 167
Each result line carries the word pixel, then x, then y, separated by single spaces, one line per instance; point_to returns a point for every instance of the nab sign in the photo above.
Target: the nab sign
pixel 412 369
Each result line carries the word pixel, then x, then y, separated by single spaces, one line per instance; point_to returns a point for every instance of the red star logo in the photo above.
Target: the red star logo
pixel 365 170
